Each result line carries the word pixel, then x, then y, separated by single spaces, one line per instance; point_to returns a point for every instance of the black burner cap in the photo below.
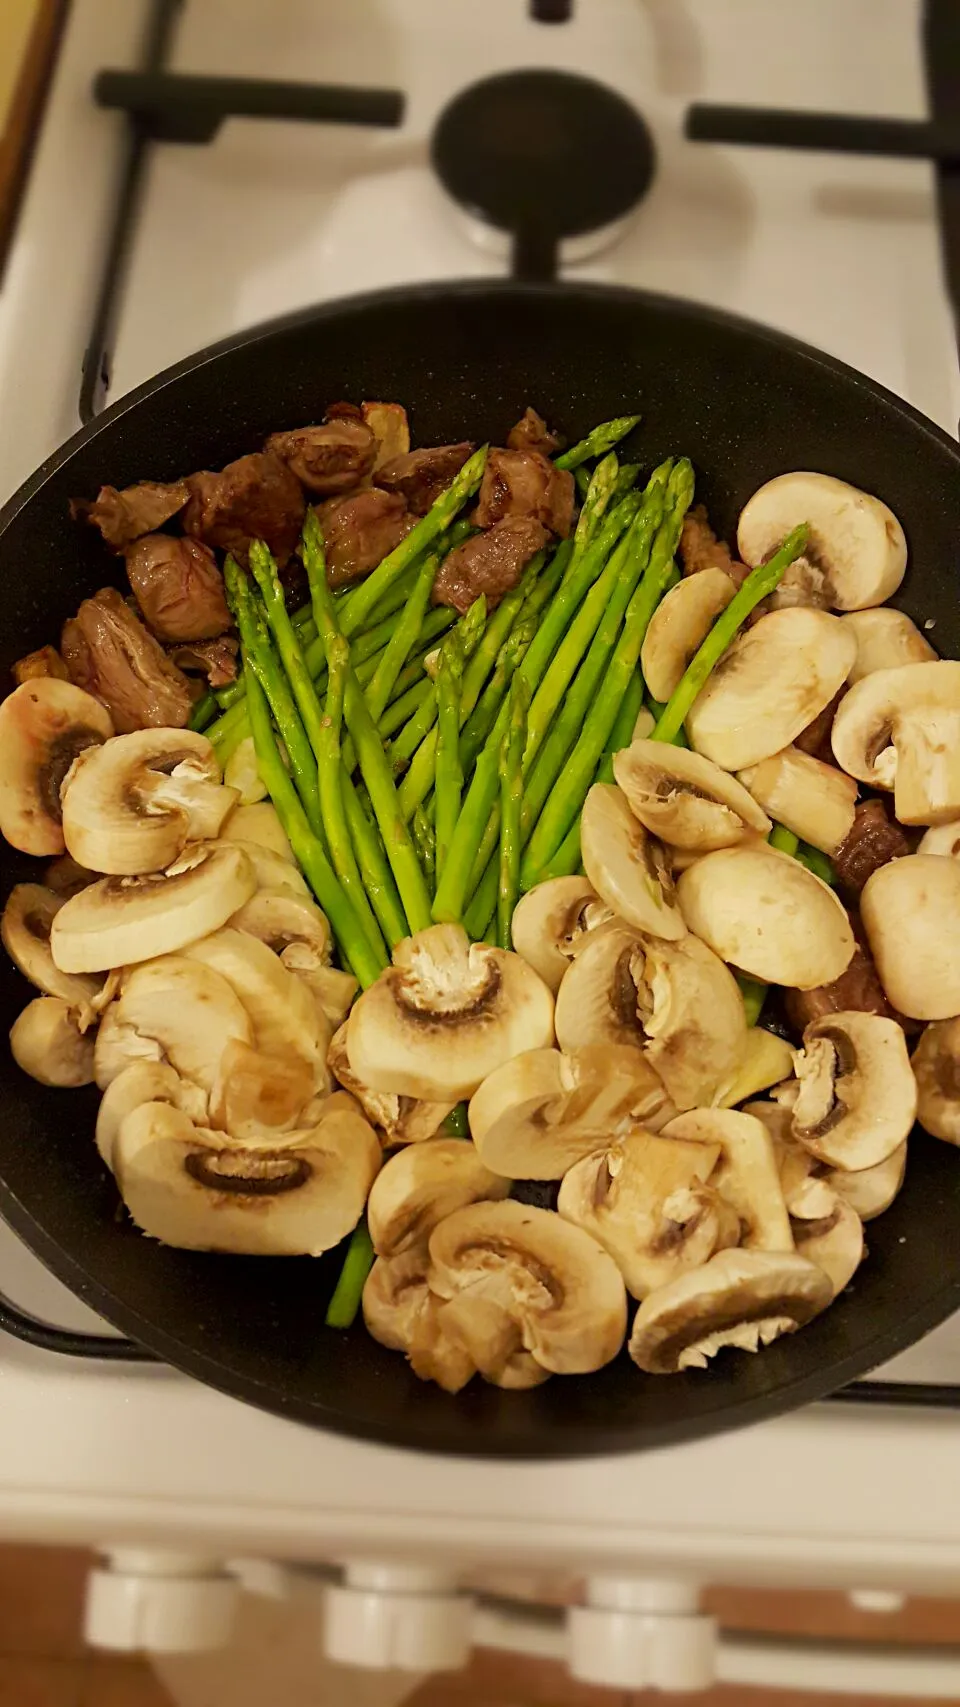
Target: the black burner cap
pixel 543 154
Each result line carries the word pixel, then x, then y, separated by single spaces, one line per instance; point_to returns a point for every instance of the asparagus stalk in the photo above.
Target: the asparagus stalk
pixel 376 874
pixel 425 841
pixel 597 442
pixel 759 584
pixel 817 862
pixel 401 711
pixel 402 640
pixel 599 492
pixel 581 478
pixel 449 775
pixel 335 821
pixel 783 839
pixel 343 1306
pixel 511 799
pixel 570 792
pixel 203 712
pixel 511 655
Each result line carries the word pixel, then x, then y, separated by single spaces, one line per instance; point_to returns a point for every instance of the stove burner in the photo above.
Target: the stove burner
pixel 542 156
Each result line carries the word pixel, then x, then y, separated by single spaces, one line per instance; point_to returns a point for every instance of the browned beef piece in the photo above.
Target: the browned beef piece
pixel 532 433
pixel 489 563
pixel 857 990
pixel 256 497
pixel 109 652
pixel 701 549
pixel 524 483
pixel 328 459
pixel 873 841
pixel 214 659
pixel 815 739
pixel 178 587
pixel 360 530
pixel 422 475
pixel 124 516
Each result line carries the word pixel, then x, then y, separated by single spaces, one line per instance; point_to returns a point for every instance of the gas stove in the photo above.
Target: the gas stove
pixel 132 254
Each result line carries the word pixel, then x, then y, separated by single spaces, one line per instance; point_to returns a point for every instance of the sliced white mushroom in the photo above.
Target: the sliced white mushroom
pixel 628 869
pixel 855 540
pixel 743 1299
pixel 679 625
pixel 911 913
pixel 188 1010
pixel 65 877
pixel 814 800
pixel 121 920
pixel 25 929
pixel 685 799
pixel 551 921
pixel 255 1094
pixel 886 639
pixel 774 680
pixel 259 822
pixel 279 917
pixel 870 1191
pixel 132 804
pixel 677 1002
pixel 285 1016
pixel 856 1100
pixel 765 1061
pixel 646 1201
pixel 144 1081
pixel 398 1119
pixel 899 729
pixel 536 1115
pixel 644 725
pixel 444 1015
pixel 119 1046
pixel 746 1176
pixel 421 1185
pixel 44 724
pixel 46 1041
pixel 198 1189
pixel 401 1312
pixel 332 990
pixel 768 915
pixel 242 773
pixel 936 1067
pixel 827 1231
pixel 273 871
pixel 556 1284
pixel 941 839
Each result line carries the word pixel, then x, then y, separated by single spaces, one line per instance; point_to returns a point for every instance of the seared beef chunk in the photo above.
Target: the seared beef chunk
pixel 109 652
pixel 360 530
pixel 124 516
pixel 489 563
pixel 532 433
pixel 256 497
pixel 422 475
pixel 858 989
pixel 524 483
pixel 815 739
pixel 873 841
pixel 215 659
pixel 45 661
pixel 178 587
pixel 701 549
pixel 329 459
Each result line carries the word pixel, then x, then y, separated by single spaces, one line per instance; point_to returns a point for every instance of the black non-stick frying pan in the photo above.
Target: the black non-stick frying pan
pixel 744 404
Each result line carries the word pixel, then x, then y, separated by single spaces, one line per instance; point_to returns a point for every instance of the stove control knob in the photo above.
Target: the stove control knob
pixel 405 1616
pixel 638 1634
pixel 166 1603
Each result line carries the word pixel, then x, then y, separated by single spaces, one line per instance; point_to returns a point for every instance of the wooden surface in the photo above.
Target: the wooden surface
pixel 29 35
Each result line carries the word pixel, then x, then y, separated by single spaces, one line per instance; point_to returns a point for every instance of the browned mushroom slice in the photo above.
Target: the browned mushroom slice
pixel 898 729
pixel 685 799
pixel 401 1312
pixel 747 1174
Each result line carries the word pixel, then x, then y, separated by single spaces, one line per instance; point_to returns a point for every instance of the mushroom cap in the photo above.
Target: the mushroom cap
pixel 738 1298
pixel 259 822
pixel 332 990
pixel 279 917
pixel 189 1010
pixel 870 1191
pixel 827 1231
pixel 646 1201
pixel 255 1094
pixel 241 772
pixel 895 729
pixel 122 920
pixel 144 1081
pixel 628 869
pixel 558 1286
pixel 936 1068
pixel 941 839
pixel 536 1115
pixel 25 929
pixel 684 798
pixel 271 869
pixel 911 913
pixel 679 625
pixel 197 1189
pixel 131 804
pixel 854 539
pixel 768 915
pixel 747 1174
pixel 418 1187
pixel 766 1059
pixel 886 639
pixel 46 1041
pixel 44 724
pixel 398 1119
pixel 774 680
pixel 285 1017
pixel 402 1313
pixel 444 1015
pixel 857 1099
pixel 550 922
pixel 814 800
pixel 676 1002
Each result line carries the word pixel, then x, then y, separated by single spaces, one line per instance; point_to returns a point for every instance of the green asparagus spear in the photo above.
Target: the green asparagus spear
pixel 374 870
pixel 456 1124
pixel 425 841
pixel 581 478
pixel 817 862
pixel 343 1306
pixel 402 640
pixel 511 799
pixel 599 492
pixel 759 584
pixel 783 839
pixel 203 712
pixel 449 775
pixel 401 711
pixel 597 442
pixel 332 779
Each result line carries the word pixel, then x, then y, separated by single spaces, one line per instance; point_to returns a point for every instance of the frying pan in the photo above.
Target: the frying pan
pixel 744 404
